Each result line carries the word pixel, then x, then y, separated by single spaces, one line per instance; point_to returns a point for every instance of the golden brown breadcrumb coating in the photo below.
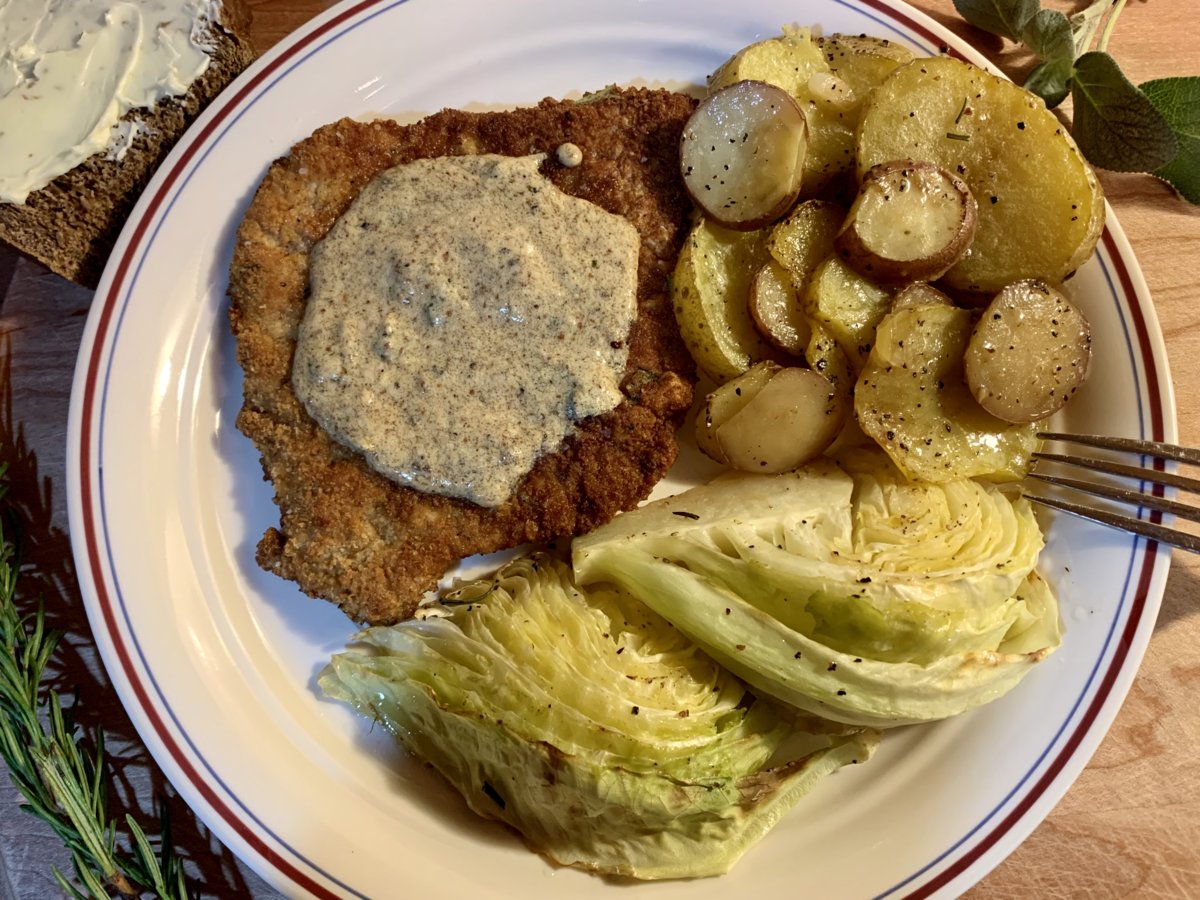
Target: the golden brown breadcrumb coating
pixel 351 535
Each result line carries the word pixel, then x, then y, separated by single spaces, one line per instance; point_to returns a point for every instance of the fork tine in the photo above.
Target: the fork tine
pixel 1151 530
pixel 1146 448
pixel 1109 467
pixel 1124 495
pixel 1156 476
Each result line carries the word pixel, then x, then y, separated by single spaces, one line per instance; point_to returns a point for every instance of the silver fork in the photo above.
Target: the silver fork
pixel 1151 473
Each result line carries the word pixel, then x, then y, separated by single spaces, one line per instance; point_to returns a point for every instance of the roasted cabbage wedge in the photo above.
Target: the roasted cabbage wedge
pixel 590 725
pixel 844 590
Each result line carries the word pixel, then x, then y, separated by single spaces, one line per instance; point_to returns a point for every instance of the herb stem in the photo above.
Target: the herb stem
pixel 1118 5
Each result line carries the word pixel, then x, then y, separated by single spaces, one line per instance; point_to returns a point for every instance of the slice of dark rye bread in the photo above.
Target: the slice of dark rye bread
pixel 346 532
pixel 72 223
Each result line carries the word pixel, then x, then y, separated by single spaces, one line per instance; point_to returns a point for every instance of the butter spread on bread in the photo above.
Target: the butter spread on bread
pixel 71 223
pixel 71 69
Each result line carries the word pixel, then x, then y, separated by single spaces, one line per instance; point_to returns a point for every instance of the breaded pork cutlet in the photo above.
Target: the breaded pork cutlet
pixel 349 534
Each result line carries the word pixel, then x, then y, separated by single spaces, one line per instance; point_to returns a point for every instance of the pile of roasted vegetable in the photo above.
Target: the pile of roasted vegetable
pixel 882 243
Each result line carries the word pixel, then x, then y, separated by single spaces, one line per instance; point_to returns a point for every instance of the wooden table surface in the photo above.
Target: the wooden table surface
pixel 1129 827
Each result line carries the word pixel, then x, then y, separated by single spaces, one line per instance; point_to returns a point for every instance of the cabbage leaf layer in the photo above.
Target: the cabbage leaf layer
pixel 589 724
pixel 844 590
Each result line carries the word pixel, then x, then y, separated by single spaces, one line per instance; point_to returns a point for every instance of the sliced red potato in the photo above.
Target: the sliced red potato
pixel 776 309
pixel 861 61
pixel 787 60
pixel 825 87
pixel 742 153
pixel 827 358
pixel 911 221
pixel 790 421
pixel 1029 352
pixel 911 398
pixel 727 401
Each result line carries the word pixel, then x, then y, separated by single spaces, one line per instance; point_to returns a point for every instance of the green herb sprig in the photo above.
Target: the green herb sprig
pixel 63 783
pixel 1153 127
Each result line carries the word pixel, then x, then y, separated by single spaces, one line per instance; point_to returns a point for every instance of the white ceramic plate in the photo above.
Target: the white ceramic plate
pixel 216 659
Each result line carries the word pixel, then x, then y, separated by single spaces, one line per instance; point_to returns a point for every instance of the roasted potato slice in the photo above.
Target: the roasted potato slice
pixel 1028 353
pixel 709 291
pixel 826 357
pixel 833 102
pixel 848 305
pixel 912 400
pixel 790 421
pixel 831 122
pixel 788 61
pixel 911 221
pixel 862 61
pixel 805 238
pixel 794 62
pixel 742 154
pixel 1041 209
pixel 725 402
pixel 776 310
pixel 918 294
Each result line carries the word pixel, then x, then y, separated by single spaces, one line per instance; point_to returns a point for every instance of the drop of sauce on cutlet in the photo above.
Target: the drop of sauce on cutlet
pixel 464 316
pixel 569 155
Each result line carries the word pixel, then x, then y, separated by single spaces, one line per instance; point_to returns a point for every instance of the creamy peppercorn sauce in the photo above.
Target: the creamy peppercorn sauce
pixel 464 314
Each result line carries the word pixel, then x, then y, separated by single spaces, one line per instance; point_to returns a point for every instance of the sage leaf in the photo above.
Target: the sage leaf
pixel 1006 18
pixel 1178 100
pixel 1115 124
pixel 1048 35
pixel 1051 81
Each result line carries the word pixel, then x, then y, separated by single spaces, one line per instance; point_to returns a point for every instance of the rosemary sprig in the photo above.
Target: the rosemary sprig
pixel 63 784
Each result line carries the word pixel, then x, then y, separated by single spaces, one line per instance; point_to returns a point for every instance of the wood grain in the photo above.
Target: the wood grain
pixel 1129 827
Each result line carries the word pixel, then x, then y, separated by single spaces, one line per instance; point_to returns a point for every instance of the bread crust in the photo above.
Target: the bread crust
pixel 351 535
pixel 71 224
